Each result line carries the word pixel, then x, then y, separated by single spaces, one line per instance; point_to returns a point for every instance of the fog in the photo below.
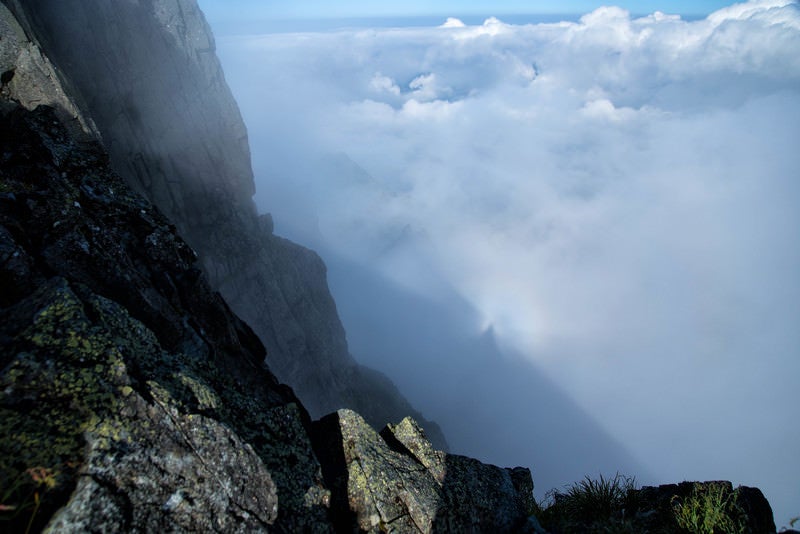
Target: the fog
pixel 575 245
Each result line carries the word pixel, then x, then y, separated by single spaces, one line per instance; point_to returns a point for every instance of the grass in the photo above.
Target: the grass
pixel 615 505
pixel 710 509
pixel 21 497
pixel 590 505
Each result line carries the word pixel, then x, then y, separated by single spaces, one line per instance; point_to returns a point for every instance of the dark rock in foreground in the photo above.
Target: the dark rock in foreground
pixel 746 507
pixel 147 74
pixel 133 399
pixel 124 377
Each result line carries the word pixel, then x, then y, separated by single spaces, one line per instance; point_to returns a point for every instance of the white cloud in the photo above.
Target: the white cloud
pixel 380 83
pixel 617 197
pixel 453 22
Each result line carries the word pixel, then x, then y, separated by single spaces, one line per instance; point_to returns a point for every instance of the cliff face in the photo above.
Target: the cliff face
pixel 133 399
pixel 129 388
pixel 145 71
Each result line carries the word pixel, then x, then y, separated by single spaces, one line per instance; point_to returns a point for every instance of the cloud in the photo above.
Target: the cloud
pixel 382 83
pixel 616 197
pixel 453 22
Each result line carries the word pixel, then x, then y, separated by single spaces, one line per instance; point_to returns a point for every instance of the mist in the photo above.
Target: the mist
pixel 575 245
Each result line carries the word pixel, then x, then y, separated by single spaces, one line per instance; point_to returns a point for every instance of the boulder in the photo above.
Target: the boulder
pixel 743 507
pixel 395 481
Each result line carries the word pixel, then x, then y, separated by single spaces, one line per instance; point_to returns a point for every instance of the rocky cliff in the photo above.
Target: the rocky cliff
pixel 133 399
pixel 146 73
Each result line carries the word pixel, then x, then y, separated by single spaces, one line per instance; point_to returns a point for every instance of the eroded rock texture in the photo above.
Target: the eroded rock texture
pixel 133 399
pixel 397 482
pixel 147 74
pixel 126 382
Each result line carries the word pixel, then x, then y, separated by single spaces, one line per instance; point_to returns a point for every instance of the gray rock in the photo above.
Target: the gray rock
pixel 397 482
pixel 745 506
pixel 131 398
pixel 28 76
pixel 155 88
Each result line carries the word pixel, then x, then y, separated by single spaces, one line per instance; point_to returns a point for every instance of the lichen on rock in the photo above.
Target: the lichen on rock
pixel 122 375
pixel 395 481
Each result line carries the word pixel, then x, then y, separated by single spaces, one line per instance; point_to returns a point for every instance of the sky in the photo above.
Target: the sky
pixel 223 9
pixel 592 221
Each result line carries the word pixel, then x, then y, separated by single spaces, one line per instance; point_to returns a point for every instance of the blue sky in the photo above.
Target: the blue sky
pixel 228 9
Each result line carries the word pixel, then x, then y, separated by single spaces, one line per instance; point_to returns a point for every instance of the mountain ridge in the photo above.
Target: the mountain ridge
pixel 175 134
pixel 133 398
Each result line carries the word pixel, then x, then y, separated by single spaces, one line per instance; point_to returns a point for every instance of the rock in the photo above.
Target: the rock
pixel 29 77
pixel 395 481
pixel 131 397
pixel 615 505
pixel 156 90
pixel 747 507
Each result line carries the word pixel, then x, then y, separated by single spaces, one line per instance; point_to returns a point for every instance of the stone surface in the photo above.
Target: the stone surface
pixel 155 88
pixel 396 482
pixel 124 379
pixel 133 399
pixel 616 505
pixel 29 77
pixel 655 505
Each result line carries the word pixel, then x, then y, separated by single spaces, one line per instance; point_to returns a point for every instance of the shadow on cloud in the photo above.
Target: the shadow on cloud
pixel 494 406
pixel 612 202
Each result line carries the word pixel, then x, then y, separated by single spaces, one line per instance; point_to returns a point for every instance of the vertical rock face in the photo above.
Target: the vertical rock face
pixel 146 72
pixel 131 398
pixel 30 78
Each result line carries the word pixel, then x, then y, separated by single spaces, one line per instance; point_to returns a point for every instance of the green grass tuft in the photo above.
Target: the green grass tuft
pixel 590 505
pixel 710 509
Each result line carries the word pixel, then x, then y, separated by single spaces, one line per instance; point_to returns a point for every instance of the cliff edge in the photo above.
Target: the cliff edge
pixel 146 73
pixel 133 399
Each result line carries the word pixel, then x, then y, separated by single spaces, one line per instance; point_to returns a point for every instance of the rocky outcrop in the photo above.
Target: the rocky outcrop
pixel 673 507
pixel 616 505
pixel 397 482
pixel 147 74
pixel 127 384
pixel 30 78
pixel 132 399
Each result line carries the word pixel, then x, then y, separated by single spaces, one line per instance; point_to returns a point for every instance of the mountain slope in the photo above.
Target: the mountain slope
pixel 133 399
pixel 146 72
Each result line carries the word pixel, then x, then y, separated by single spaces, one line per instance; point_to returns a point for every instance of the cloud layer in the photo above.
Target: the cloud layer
pixel 616 197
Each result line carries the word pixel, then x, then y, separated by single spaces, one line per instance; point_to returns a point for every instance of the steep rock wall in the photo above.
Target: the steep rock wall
pixel 146 72
pixel 133 400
